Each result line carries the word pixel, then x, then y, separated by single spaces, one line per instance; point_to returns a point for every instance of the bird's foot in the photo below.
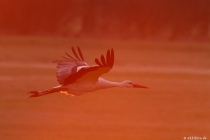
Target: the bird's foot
pixel 34 93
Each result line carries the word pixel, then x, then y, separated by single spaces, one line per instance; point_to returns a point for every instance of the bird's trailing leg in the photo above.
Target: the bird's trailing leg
pixel 36 93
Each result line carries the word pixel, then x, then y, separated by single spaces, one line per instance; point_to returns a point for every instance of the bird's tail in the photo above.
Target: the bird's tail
pixel 36 93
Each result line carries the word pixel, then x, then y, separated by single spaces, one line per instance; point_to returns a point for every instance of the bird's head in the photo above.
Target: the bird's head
pixel 130 84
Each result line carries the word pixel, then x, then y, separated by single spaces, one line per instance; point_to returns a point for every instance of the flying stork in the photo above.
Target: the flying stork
pixel 76 77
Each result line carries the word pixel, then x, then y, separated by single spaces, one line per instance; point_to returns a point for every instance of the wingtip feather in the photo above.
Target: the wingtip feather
pixel 109 61
pixel 70 56
pixel 80 53
pixel 75 54
pixel 103 60
pixel 108 57
pixel 98 62
pixel 112 58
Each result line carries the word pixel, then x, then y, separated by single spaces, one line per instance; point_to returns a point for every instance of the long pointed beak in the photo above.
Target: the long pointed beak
pixel 139 86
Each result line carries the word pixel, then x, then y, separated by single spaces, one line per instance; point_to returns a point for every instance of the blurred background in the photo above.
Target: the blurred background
pixel 120 19
pixel 162 44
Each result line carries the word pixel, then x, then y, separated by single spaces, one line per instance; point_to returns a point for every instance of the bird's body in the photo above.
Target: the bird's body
pixel 87 86
pixel 76 77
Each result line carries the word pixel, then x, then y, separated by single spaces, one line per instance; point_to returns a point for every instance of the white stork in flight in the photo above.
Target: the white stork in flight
pixel 76 77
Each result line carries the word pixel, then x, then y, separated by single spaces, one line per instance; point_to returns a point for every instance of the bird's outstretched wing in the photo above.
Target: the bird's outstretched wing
pixel 70 65
pixel 94 72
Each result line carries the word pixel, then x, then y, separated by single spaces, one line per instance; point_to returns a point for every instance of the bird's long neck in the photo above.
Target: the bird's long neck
pixel 108 84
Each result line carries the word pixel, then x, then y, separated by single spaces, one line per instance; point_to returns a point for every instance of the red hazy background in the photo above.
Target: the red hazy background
pixel 161 44
pixel 121 19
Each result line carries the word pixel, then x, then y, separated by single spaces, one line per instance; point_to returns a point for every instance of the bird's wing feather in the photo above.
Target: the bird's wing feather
pixel 94 72
pixel 69 66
